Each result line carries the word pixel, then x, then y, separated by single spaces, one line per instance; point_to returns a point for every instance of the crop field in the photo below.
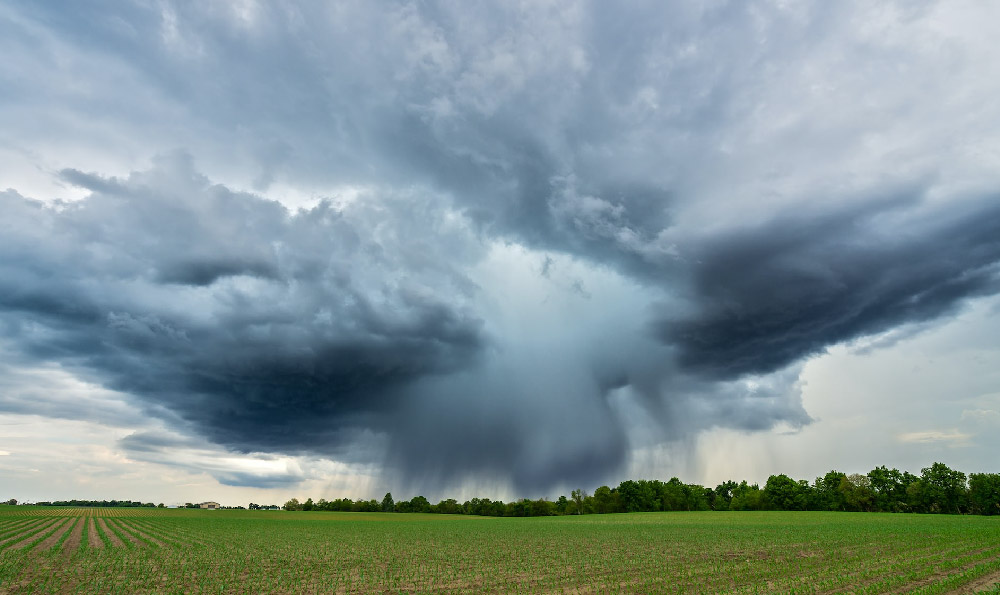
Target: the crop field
pixel 72 550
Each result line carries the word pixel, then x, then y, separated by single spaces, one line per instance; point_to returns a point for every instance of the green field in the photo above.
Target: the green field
pixel 70 550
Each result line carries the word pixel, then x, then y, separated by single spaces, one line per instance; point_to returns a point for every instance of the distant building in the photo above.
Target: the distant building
pixel 210 505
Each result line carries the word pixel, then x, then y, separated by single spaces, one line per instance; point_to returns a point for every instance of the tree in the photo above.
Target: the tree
pixel 541 507
pixel 578 497
pixel 605 501
pixel 673 495
pixel 889 488
pixel 449 506
pixel 784 493
pixel 387 503
pixel 308 504
pixel 857 492
pixel 403 506
pixel 944 489
pixel 747 497
pixel 724 495
pixel 562 504
pixel 292 504
pixel 12 502
pixel 420 504
pixel 827 494
pixel 984 493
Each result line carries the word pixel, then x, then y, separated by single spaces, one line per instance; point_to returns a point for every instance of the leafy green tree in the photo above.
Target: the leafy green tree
pixel 747 497
pixel 826 492
pixel 984 493
pixel 308 504
pixel 387 504
pixel 915 499
pixel 420 504
pixel 449 506
pixel 784 493
pixel 698 497
pixel 628 495
pixel 579 496
pixel 561 504
pixel 403 506
pixel 724 495
pixel 605 501
pixel 889 488
pixel 673 495
pixel 292 504
pixel 857 492
pixel 541 507
pixel 944 489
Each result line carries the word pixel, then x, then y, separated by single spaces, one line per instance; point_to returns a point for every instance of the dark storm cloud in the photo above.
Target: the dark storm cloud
pixel 261 328
pixel 684 147
pixel 768 295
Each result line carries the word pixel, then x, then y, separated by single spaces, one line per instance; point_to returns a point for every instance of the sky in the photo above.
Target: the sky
pixel 251 251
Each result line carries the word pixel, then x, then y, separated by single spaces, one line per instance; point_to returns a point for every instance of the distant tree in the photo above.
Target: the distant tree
pixel 984 493
pixel 784 493
pixel 605 501
pixel 639 496
pixel 747 497
pixel 387 504
pixel 944 489
pixel 857 492
pixel 449 506
pixel 308 504
pixel 420 504
pixel 826 492
pixel 697 497
pixel 724 495
pixel 889 488
pixel 916 500
pixel 403 506
pixel 160 505
pixel 578 497
pixel 12 502
pixel 561 504
pixel 292 504
pixel 672 494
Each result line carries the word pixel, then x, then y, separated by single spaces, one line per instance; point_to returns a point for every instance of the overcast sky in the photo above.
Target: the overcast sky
pixel 332 249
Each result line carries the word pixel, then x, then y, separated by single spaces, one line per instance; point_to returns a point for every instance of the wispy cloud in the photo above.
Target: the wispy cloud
pixel 946 437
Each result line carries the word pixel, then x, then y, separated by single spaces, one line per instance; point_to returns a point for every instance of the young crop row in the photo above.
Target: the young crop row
pixel 68 533
pixel 746 553
pixel 59 511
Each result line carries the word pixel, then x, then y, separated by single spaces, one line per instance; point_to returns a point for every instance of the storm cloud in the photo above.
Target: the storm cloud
pixel 261 327
pixel 499 244
pixel 771 294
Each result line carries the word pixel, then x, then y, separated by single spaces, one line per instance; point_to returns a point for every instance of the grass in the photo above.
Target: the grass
pixel 194 551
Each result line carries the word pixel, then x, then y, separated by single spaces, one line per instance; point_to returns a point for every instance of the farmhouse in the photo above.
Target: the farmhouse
pixel 211 505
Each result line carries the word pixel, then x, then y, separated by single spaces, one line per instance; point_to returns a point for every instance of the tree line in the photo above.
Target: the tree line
pixel 100 504
pixel 937 490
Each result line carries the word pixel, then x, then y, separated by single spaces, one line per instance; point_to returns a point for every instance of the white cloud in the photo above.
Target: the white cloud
pixel 950 437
